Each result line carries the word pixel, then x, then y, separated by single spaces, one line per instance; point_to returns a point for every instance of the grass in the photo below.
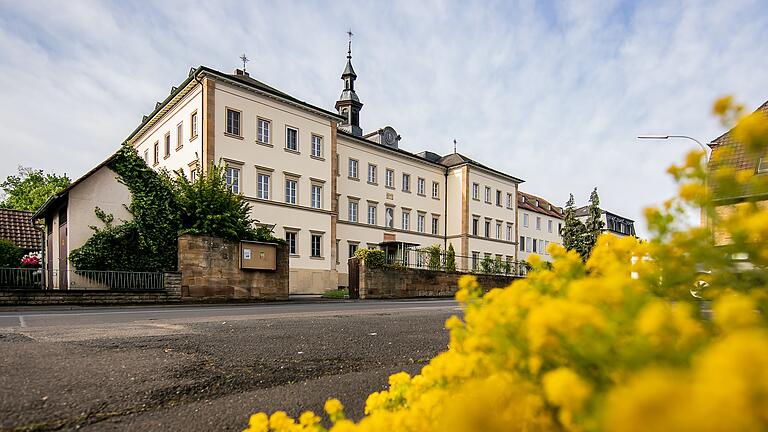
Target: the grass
pixel 336 294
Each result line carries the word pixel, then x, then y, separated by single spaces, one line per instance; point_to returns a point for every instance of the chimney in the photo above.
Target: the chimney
pixel 241 72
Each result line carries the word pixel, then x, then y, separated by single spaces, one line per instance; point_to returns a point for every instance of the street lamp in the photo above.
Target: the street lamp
pixel 663 137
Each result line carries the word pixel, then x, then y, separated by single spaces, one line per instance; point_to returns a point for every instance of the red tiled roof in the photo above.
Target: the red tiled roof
pixel 528 202
pixel 16 226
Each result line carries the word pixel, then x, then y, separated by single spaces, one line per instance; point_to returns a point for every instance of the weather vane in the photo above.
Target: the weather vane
pixel 350 34
pixel 245 60
pixel 454 145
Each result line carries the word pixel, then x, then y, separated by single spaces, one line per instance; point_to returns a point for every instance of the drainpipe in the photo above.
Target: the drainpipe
pixel 202 119
pixel 445 212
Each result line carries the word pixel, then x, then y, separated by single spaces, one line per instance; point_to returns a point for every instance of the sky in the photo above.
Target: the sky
pixel 554 93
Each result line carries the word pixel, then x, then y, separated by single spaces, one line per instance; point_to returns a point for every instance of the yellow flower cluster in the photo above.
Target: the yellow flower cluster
pixel 617 343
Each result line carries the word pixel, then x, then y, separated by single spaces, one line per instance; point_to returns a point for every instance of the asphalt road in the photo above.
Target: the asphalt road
pixel 205 367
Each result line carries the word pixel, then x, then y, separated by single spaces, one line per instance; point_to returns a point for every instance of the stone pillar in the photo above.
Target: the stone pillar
pixel 172 284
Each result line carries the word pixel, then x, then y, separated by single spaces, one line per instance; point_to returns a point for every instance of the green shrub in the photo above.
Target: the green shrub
pixel 450 259
pixel 336 294
pixel 435 257
pixel 371 257
pixel 10 254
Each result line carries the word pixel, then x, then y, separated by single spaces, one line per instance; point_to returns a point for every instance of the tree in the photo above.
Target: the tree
pixel 573 230
pixel 450 259
pixel 594 225
pixel 30 188
pixel 10 254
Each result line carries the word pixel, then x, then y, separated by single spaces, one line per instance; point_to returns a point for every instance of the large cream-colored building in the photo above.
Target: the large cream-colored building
pixel 540 225
pixel 324 185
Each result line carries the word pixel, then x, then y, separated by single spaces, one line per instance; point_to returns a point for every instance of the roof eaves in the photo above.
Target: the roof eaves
pixel 387 148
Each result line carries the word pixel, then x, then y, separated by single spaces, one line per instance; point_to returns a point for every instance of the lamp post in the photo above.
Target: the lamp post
pixel 664 137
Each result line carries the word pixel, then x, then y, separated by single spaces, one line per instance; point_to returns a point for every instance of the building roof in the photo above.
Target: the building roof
pixel 17 226
pixel 536 204
pixel 727 152
pixel 584 211
pixel 458 159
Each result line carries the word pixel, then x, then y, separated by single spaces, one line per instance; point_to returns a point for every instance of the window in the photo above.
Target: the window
pixel 421 186
pixel 371 214
pixel 522 244
pixel 559 227
pixel 353 168
pixel 487 194
pixel 337 250
pixel 193 125
pixel 498 230
pixel 541 247
pixel 193 173
pixel 525 220
pixel 546 246
pixel 475 223
pixel 317 196
pixel 435 224
pixel 290 239
pixel 233 179
pixel 292 139
pixel 406 182
pixel 389 178
pixel 549 225
pixel 146 156
pixel 406 220
pixel 528 244
pixel 290 191
pixel 167 144
pixel 435 189
pixel 475 191
pixel 509 232
pixel 509 200
pixel 352 249
pixel 316 245
pixel 488 229
pixel 762 165
pixel 372 174
pixel 389 217
pixel 156 154
pixel 317 146
pixel 475 260
pixel 534 244
pixel 421 220
pixel 179 135
pixel 263 186
pixel 538 222
pixel 353 205
pixel 498 197
pixel 233 122
pixel 262 133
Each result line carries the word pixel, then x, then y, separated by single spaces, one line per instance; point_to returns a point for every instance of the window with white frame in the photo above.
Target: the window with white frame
pixel 372 174
pixel 528 242
pixel 290 240
pixel 291 138
pixel 193 125
pixel 487 229
pixel 406 182
pixel 179 135
pixel 525 220
pixel 233 122
pixel 352 215
pixel 541 247
pixel 475 191
pixel 290 191
pixel 509 233
pixel 509 200
pixel 167 144
pixel 421 186
pixel 475 225
pixel 316 249
pixel 233 179
pixel 488 194
pixel 317 146
pixel 498 197
pixel 522 243
pixel 263 132
pixel 317 196
pixel 421 221
pixel 352 249
pixel 435 189
pixel 156 155
pixel 498 230
pixel 389 217
pixel 263 186
pixel 389 178
pixel 371 214
pixel 352 168
pixel 406 220
pixel 146 156
pixel 435 224
pixel 475 260
pixel 549 225
pixel 538 222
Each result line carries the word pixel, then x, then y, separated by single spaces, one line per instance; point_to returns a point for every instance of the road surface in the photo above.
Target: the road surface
pixel 205 367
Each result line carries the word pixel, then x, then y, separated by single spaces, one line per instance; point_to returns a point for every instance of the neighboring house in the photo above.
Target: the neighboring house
pixel 324 185
pixel 69 215
pixel 17 227
pixel 727 152
pixel 540 224
pixel 612 222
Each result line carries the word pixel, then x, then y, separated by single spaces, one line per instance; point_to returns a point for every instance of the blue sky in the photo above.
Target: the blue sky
pixel 551 92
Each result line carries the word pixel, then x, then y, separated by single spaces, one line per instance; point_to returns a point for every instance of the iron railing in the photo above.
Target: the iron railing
pixel 26 278
pixel 431 260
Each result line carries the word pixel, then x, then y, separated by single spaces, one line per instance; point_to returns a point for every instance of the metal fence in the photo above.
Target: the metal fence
pixel 426 259
pixel 27 278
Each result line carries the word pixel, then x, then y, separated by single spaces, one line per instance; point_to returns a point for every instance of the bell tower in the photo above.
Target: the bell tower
pixel 349 104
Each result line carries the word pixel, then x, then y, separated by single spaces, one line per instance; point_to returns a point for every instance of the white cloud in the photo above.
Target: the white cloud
pixel 554 93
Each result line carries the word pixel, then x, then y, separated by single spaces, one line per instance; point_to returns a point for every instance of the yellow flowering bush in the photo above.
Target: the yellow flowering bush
pixel 617 343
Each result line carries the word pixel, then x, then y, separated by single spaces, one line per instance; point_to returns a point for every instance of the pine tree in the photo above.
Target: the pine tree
pixel 594 225
pixel 450 259
pixel 573 229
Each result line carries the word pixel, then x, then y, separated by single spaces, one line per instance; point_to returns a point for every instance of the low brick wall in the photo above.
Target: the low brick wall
pixel 210 271
pixel 388 283
pixel 27 297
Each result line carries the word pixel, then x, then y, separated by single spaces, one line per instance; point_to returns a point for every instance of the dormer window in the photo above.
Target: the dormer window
pixel 537 203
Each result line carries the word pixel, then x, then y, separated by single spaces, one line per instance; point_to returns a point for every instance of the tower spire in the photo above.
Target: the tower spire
pixel 349 104
pixel 349 47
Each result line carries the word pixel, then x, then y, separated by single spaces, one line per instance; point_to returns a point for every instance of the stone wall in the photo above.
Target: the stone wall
pixel 387 283
pixel 27 297
pixel 210 271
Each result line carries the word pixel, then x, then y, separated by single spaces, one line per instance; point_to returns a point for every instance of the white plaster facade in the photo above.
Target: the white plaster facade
pixel 540 224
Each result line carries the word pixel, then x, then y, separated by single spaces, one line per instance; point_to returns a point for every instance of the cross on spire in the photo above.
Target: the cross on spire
pixel 244 60
pixel 454 145
pixel 349 50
